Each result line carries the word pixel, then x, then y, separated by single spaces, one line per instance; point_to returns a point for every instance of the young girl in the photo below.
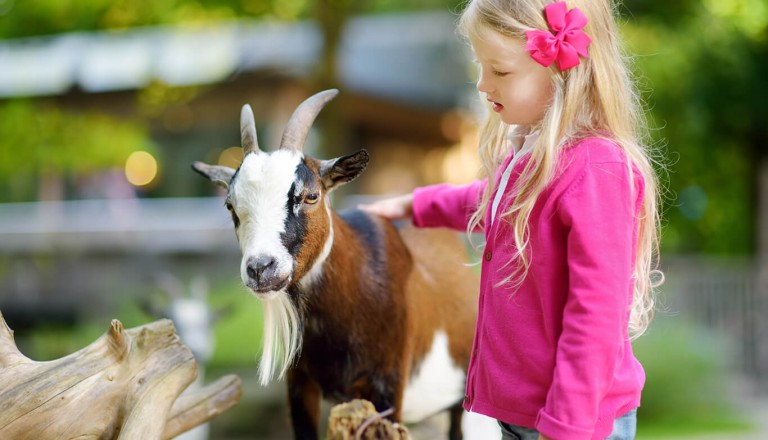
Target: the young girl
pixel 568 208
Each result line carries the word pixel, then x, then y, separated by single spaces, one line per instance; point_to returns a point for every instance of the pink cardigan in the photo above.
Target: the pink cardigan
pixel 554 355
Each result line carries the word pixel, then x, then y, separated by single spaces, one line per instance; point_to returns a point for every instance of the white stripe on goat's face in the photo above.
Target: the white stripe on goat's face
pixel 284 221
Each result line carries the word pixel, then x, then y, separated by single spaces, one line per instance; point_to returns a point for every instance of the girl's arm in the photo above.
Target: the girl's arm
pixel 445 205
pixel 599 210
pixel 441 205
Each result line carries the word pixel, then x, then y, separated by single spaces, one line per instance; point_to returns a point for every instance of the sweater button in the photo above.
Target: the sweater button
pixel 488 256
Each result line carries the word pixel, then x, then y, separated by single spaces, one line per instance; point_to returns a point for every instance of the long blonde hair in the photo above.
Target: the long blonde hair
pixel 596 98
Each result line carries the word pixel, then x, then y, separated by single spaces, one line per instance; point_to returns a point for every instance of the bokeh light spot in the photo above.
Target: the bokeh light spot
pixel 693 202
pixel 231 157
pixel 140 168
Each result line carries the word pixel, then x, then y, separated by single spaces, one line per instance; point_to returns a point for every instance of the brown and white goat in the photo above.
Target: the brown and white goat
pixel 354 307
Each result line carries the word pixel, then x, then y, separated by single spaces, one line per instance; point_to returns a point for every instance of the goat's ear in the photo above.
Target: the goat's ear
pixel 215 173
pixel 335 172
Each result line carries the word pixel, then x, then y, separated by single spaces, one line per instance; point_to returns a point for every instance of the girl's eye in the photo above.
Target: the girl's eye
pixel 497 73
pixel 311 198
pixel 235 218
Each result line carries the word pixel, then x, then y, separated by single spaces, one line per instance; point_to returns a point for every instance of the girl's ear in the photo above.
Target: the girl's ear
pixel 335 172
pixel 219 175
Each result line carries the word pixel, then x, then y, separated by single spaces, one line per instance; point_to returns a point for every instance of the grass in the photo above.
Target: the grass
pixel 237 334
pixel 687 387
pixel 670 429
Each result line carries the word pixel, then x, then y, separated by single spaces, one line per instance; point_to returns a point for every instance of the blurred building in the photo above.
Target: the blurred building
pixel 404 80
pixel 405 87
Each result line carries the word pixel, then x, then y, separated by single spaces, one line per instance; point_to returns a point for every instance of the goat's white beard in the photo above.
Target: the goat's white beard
pixel 282 331
pixel 282 337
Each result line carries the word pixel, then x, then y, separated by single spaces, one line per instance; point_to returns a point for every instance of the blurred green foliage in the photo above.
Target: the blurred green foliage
pixel 39 140
pixel 236 333
pixel 703 66
pixel 43 17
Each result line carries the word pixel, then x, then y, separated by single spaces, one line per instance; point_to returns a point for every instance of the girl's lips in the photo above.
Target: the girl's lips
pixel 496 106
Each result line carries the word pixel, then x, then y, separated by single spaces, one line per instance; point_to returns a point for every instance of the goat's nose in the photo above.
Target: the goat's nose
pixel 258 266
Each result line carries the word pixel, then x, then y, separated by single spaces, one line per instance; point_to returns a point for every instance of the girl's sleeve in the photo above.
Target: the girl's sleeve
pixel 446 205
pixel 599 211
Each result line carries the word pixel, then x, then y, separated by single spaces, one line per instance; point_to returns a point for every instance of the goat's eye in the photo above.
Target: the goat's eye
pixel 311 198
pixel 235 218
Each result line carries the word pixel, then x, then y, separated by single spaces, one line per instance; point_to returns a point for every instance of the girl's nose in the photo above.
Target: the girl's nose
pixel 483 85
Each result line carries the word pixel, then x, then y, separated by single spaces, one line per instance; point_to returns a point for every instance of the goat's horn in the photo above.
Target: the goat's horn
pixel 297 129
pixel 248 131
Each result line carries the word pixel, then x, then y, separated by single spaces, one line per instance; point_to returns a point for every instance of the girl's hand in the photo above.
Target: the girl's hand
pixel 543 437
pixel 395 208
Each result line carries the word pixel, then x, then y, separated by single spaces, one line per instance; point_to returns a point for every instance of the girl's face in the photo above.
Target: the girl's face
pixel 518 88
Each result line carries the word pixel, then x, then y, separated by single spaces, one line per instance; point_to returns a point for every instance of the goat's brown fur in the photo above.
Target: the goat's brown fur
pixel 427 289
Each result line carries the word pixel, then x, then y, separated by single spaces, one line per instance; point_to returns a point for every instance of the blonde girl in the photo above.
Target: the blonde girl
pixel 567 202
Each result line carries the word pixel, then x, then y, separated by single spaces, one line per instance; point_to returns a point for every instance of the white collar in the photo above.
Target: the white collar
pixel 521 145
pixel 523 142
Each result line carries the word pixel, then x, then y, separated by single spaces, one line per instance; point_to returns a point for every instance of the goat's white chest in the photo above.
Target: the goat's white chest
pixel 438 384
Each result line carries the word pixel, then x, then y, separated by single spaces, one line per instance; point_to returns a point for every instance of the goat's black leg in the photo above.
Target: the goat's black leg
pixel 304 396
pixel 454 429
pixel 384 391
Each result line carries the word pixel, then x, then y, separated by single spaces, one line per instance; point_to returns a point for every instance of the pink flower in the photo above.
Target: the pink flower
pixel 565 42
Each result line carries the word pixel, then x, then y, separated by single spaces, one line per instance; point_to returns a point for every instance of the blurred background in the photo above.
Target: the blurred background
pixel 105 103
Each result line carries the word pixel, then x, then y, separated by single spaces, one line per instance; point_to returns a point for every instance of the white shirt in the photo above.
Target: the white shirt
pixel 520 150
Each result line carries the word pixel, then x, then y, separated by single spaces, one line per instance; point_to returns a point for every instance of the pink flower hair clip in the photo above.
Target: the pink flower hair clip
pixel 564 42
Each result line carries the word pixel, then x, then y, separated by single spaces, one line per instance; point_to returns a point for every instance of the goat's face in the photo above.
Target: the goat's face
pixel 282 215
pixel 279 202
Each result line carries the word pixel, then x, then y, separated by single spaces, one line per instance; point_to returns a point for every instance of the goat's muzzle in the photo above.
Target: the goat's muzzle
pixel 264 276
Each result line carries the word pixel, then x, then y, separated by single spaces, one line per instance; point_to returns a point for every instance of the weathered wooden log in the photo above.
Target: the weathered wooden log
pixel 358 420
pixel 125 385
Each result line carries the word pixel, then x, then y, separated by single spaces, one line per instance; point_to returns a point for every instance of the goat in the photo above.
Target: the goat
pixel 353 306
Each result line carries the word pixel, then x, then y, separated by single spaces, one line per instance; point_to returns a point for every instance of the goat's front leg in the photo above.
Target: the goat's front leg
pixel 384 391
pixel 454 431
pixel 304 398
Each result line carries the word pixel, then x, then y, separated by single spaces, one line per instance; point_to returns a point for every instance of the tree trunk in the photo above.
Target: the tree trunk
pixel 331 16
pixel 125 385
pixel 762 271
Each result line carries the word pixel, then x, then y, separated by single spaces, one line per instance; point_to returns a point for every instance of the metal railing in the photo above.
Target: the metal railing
pixel 729 297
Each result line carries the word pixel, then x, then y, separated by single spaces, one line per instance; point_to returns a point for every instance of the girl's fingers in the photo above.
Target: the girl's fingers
pixel 395 208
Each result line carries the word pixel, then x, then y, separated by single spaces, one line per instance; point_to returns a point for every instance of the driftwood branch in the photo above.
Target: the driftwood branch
pixel 125 385
pixel 199 406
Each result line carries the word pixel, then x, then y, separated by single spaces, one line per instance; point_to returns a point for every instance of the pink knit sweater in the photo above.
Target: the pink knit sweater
pixel 554 354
